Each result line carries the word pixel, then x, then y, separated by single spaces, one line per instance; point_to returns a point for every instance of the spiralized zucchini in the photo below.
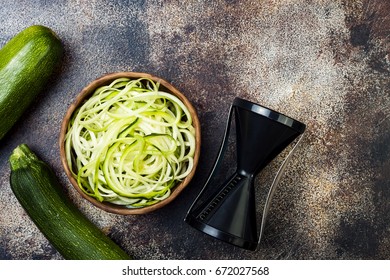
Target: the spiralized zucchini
pixel 130 143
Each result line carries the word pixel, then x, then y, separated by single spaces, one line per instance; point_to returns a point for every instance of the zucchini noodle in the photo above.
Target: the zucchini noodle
pixel 130 143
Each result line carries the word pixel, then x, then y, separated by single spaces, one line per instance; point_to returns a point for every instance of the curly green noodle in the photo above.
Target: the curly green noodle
pixel 130 143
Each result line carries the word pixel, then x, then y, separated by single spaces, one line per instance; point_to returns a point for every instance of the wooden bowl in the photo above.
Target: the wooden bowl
pixel 83 95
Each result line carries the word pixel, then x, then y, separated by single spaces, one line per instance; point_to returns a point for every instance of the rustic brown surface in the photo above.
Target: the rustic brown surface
pixel 325 63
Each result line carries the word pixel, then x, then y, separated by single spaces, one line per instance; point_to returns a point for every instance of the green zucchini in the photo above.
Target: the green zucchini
pixel 26 63
pixel 39 192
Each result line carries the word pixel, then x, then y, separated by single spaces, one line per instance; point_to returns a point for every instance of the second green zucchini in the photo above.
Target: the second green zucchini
pixel 38 190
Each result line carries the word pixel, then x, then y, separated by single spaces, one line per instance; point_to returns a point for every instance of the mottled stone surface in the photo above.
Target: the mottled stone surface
pixel 326 63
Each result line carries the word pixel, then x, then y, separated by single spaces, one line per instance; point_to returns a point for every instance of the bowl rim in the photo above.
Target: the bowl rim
pixel 85 93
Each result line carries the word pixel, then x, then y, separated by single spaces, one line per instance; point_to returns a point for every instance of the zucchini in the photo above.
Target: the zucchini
pixel 39 192
pixel 26 63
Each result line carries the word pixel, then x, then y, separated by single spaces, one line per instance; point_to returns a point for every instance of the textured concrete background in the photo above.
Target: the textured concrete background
pixel 324 62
